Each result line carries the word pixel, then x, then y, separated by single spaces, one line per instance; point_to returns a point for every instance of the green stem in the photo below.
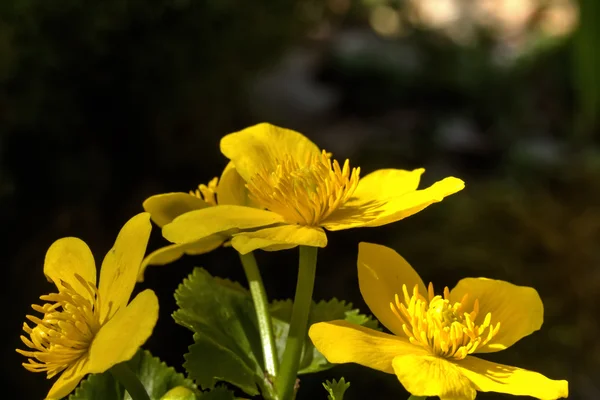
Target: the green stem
pixel 261 307
pixel 286 381
pixel 132 384
pixel 413 397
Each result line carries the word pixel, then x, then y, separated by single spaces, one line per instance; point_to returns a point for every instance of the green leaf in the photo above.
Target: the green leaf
pixel 226 337
pixel 179 393
pixel 218 393
pixel 336 389
pixel 155 375
pixel 312 360
pixel 208 362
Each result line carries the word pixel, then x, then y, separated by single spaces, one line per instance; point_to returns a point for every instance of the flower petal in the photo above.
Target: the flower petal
pixel 67 257
pixel 199 224
pixel 342 342
pixel 263 146
pixel 428 375
pixel 387 183
pixel 232 188
pixel 119 338
pixel 491 377
pixel 370 210
pixel 68 380
pixel 168 254
pixel 287 235
pixel 164 208
pixel 519 309
pixel 122 263
pixel 381 274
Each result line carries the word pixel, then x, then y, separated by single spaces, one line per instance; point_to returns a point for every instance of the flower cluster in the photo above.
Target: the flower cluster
pixel 280 191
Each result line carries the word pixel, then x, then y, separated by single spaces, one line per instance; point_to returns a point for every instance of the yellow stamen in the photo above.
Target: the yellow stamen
pixel 208 193
pixel 305 193
pixel 62 337
pixel 442 327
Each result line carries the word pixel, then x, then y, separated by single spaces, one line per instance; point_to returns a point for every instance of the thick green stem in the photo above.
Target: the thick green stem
pixel 132 384
pixel 261 307
pixel 413 397
pixel 286 380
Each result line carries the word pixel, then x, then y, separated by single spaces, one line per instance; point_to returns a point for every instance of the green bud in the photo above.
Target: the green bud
pixel 179 393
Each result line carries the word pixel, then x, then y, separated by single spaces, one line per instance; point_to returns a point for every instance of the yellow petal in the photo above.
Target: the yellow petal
pixel 370 210
pixel 199 224
pixel 168 254
pixel 67 257
pixel 119 339
pixel 68 380
pixel 122 263
pixel 342 342
pixel 387 183
pixel 429 376
pixel 164 208
pixel 232 188
pixel 519 309
pixel 271 238
pixel 263 146
pixel 491 377
pixel 381 274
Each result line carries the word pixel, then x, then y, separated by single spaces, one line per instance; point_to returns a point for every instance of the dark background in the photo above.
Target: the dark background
pixel 103 104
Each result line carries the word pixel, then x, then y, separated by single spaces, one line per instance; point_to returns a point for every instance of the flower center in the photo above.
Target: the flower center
pixel 62 337
pixel 443 327
pixel 304 193
pixel 208 193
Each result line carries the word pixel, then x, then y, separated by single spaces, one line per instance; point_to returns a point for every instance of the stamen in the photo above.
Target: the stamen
pixel 208 193
pixel 304 192
pixel 62 336
pixel 441 326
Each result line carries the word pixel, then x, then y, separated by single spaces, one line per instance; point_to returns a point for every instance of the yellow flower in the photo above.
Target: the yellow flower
pixel 87 328
pixel 299 190
pixel 434 336
pixel 163 208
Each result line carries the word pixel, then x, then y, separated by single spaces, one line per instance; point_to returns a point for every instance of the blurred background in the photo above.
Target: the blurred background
pixel 103 104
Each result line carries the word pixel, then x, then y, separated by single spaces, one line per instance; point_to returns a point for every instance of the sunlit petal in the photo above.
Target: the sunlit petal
pixel 491 377
pixel 199 224
pixel 342 342
pixel 272 238
pixel 122 263
pixel 164 208
pixel 381 274
pixel 387 184
pixel 371 211
pixel 119 339
pixel 429 376
pixel 67 257
pixel 519 309
pixel 263 146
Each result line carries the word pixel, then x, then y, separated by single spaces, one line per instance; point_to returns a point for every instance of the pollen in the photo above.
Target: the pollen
pixel 62 337
pixel 304 193
pixel 208 193
pixel 445 328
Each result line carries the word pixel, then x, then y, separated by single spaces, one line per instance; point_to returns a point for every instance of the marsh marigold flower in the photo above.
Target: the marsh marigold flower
pixel 434 336
pixel 229 189
pixel 85 328
pixel 297 190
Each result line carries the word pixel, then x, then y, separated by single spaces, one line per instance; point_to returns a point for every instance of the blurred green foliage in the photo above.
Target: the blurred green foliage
pixel 586 64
